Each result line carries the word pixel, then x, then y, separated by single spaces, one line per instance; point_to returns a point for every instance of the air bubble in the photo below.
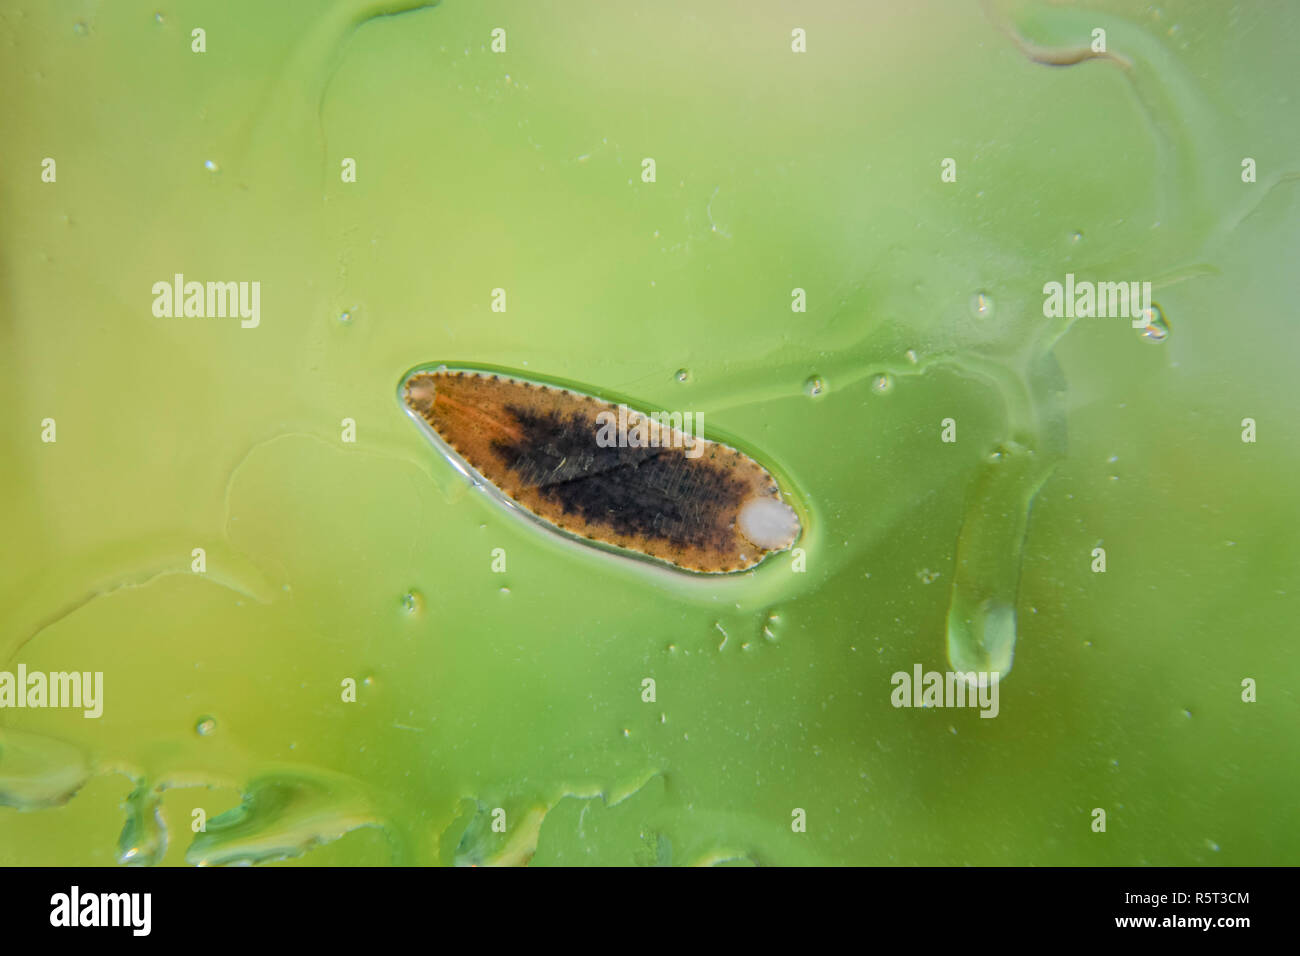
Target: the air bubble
pixel 80 28
pixel 345 316
pixel 683 375
pixel 814 387
pixel 1076 237
pixel 211 166
pixel 1157 327
pixel 981 305
pixel 206 726
pixel 882 383
pixel 927 576
pixel 412 602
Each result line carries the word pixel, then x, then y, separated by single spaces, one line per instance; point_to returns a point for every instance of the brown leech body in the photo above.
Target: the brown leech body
pixel 702 507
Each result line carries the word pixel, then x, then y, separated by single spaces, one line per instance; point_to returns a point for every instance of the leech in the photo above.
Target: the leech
pixel 659 492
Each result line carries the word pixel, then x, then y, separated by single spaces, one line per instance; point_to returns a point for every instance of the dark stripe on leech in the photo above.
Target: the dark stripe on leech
pixel 653 492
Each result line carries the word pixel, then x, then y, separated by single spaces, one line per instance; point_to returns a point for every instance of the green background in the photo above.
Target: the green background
pixel 775 170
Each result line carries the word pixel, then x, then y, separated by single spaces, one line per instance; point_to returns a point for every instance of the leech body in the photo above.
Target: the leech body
pixel 695 504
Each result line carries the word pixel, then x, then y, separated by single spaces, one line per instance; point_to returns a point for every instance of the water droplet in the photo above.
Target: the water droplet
pixel 80 28
pixel 1076 236
pixel 911 356
pixel 211 166
pixel 412 602
pixel 981 622
pixel 981 305
pixel 683 375
pixel 814 387
pixel 1211 845
pixel 927 576
pixel 206 726
pixel 771 628
pixel 1157 327
pixel 1187 714
pixel 983 638
pixel 626 732
pixel 505 590
pixel 159 18
pixel 882 383
pixel 143 841
pixel 345 316
pixel 282 817
pixel 38 771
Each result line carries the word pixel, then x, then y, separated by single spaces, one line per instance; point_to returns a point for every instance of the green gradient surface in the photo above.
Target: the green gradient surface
pixel 372 560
